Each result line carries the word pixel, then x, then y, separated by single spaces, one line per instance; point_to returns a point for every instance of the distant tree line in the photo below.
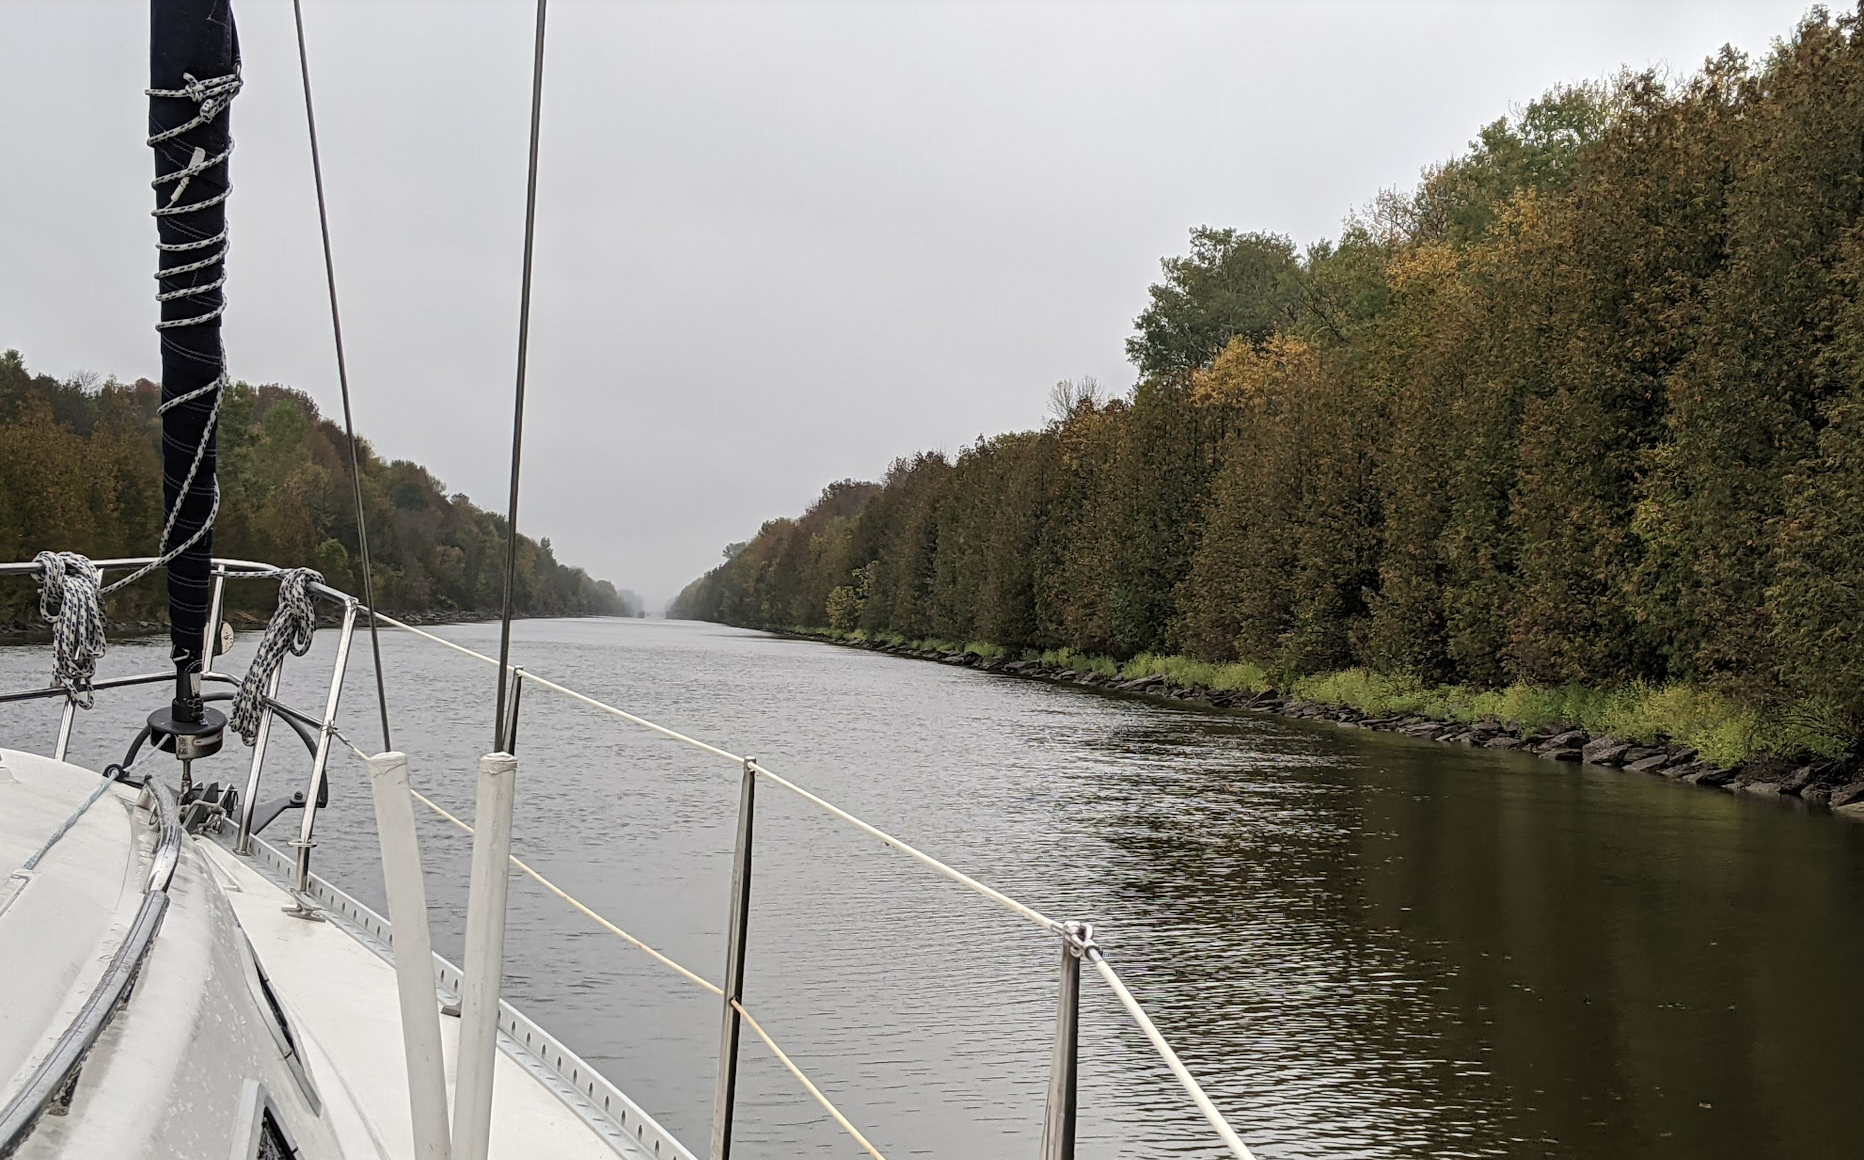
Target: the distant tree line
pixel 80 471
pixel 1587 405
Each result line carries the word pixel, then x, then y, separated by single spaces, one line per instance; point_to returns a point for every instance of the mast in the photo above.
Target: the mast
pixel 193 76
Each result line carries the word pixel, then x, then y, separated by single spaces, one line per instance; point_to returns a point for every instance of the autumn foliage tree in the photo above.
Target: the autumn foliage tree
pixel 1585 406
pixel 80 471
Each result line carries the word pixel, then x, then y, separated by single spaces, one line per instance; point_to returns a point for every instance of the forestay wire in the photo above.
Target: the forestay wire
pixel 71 593
pixel 165 555
pixel 499 740
pixel 349 423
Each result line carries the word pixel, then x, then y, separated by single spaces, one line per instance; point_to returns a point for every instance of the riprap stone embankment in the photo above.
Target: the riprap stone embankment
pixel 1837 786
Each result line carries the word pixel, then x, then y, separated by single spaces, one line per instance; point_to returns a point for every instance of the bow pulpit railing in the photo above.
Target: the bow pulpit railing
pixel 254 697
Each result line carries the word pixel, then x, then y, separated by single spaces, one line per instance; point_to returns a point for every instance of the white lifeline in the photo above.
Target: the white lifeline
pixel 247 1033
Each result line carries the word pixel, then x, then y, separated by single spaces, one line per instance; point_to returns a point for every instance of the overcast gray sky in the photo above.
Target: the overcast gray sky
pixel 777 244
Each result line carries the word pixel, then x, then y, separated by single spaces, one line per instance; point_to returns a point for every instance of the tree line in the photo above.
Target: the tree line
pixel 1584 406
pixel 80 471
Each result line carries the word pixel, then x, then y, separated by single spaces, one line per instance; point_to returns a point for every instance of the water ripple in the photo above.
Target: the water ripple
pixel 1366 947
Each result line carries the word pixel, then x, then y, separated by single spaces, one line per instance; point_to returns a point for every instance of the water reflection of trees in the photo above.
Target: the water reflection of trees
pixel 1481 949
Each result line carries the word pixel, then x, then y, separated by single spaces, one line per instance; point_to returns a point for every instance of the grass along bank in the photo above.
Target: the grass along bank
pixel 1721 729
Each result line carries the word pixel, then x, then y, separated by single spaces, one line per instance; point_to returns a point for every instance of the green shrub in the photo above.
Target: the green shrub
pixel 1718 727
pixel 1187 673
pixel 1721 728
pixel 1081 662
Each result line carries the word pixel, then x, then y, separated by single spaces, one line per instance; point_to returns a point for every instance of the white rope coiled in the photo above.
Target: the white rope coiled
pixel 293 624
pixel 71 600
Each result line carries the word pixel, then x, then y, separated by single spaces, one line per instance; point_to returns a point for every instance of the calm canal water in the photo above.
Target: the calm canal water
pixel 1365 946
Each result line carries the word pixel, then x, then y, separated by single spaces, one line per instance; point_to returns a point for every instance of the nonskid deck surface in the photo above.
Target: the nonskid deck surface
pixel 340 993
pixel 63 917
pixel 138 1030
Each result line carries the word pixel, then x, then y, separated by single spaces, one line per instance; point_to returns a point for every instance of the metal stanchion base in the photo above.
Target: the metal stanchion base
pixel 302 906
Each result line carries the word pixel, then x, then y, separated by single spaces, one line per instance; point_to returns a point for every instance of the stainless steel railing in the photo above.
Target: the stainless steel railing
pixel 1076 938
pixel 325 726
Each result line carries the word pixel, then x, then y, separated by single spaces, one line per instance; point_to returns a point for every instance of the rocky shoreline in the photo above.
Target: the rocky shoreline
pixel 1823 784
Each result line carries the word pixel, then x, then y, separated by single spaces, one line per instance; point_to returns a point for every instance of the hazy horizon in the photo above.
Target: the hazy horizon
pixel 778 245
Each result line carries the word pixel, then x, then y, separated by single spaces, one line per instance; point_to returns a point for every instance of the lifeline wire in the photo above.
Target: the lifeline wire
pixel 1106 970
pixel 804 1080
pixel 565 895
pixel 782 1056
pixel 1185 1079
pixel 1153 1035
pixel 958 876
pixel 349 425
pixel 517 415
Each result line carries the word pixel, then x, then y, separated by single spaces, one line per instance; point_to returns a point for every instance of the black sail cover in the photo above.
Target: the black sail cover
pixel 194 52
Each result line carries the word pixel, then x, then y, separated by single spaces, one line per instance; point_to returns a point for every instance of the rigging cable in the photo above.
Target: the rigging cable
pixel 517 418
pixel 349 425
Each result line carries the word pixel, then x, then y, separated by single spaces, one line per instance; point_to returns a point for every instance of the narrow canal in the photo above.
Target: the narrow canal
pixel 1366 946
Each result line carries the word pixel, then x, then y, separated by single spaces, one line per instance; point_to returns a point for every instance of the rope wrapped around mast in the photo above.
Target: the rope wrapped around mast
pixel 194 74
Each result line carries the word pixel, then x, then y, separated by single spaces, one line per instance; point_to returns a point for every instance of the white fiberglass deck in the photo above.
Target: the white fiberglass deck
pixel 165 1070
pixel 63 918
pixel 340 992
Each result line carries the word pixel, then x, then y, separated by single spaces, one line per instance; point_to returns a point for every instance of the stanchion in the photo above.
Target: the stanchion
pixel 1064 1072
pixel 484 968
pixel 64 728
pixel 414 953
pixel 303 844
pixel 725 1095
pixel 242 843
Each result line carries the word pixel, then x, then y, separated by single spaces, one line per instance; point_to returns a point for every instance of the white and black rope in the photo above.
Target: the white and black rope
pixel 211 98
pixel 164 553
pixel 293 624
pixel 71 600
